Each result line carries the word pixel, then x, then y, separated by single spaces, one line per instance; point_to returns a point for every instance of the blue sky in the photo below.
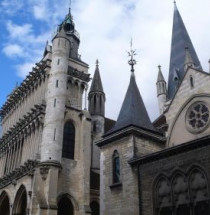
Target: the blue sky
pixel 106 27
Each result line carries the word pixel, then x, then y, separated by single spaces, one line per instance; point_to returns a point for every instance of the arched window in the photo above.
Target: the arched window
pixel 20 203
pixel 65 206
pixel 199 192
pixel 4 204
pixel 182 194
pixel 68 140
pixel 162 196
pixel 116 167
pixel 94 208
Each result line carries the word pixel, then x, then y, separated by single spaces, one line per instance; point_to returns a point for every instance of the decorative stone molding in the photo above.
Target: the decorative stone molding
pixel 23 127
pixel 45 167
pixel 197 117
pixel 78 74
pixel 12 177
pixel 31 82
pixel 44 170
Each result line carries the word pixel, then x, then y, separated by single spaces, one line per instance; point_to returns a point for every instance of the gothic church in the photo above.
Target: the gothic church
pixel 58 158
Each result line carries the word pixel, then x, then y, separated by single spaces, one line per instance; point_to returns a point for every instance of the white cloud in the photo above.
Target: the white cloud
pixel 106 27
pixel 13 50
pixel 40 12
pixel 11 7
pixel 24 69
pixel 18 31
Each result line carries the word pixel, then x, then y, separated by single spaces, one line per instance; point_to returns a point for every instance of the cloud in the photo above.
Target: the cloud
pixel 18 31
pixel 106 27
pixel 39 12
pixel 24 69
pixel 11 7
pixel 13 50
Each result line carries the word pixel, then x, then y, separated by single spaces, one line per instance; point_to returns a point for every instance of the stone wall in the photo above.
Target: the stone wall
pixel 167 166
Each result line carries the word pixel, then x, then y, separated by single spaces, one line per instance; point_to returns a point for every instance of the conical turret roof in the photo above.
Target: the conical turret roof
pixel 180 40
pixel 96 85
pixel 133 111
pixel 160 75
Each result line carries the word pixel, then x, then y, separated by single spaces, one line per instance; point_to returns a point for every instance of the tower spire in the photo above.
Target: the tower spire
pixel 180 40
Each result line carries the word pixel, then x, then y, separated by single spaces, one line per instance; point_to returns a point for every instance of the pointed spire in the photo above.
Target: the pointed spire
pixel 96 94
pixel 133 111
pixel 180 39
pixel 96 85
pixel 160 75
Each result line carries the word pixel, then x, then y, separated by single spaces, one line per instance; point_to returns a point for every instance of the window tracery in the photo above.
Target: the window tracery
pixel 197 117
pixel 182 194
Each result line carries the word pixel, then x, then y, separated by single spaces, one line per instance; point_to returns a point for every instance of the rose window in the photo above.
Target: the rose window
pixel 198 116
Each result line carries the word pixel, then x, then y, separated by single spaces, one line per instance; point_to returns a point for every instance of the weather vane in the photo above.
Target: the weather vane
pixel 131 54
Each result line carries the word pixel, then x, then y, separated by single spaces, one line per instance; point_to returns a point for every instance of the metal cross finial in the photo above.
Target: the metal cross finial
pixel 69 6
pixel 131 54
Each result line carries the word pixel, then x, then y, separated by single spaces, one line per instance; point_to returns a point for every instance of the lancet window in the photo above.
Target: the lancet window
pixel 182 194
pixel 68 140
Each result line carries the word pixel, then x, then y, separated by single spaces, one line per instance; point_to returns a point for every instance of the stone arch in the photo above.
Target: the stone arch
pixel 20 203
pixel 4 203
pixel 198 185
pixel 180 193
pixel 95 208
pixel 162 195
pixel 203 95
pixel 67 205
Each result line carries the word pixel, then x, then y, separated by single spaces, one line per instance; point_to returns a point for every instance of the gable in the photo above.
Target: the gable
pixel 195 84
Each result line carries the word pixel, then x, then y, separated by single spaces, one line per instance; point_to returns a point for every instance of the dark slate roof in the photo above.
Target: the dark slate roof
pixel 108 125
pixel 180 40
pixel 96 85
pixel 133 111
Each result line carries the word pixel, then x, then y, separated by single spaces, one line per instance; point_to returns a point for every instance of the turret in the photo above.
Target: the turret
pixel 96 108
pixel 56 96
pixel 96 95
pixel 161 90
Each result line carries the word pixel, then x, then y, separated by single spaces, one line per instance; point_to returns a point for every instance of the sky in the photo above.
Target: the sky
pixel 106 28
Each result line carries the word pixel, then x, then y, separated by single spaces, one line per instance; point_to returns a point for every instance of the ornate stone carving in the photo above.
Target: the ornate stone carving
pixel 44 170
pixel 197 117
pixel 12 177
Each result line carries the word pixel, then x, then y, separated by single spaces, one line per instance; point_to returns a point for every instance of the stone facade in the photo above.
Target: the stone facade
pixel 37 175
pixel 58 158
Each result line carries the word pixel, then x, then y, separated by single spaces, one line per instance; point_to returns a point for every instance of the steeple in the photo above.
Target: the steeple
pixel 180 40
pixel 160 75
pixel 133 111
pixel 96 94
pixel 161 90
pixel 96 85
pixel 67 30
